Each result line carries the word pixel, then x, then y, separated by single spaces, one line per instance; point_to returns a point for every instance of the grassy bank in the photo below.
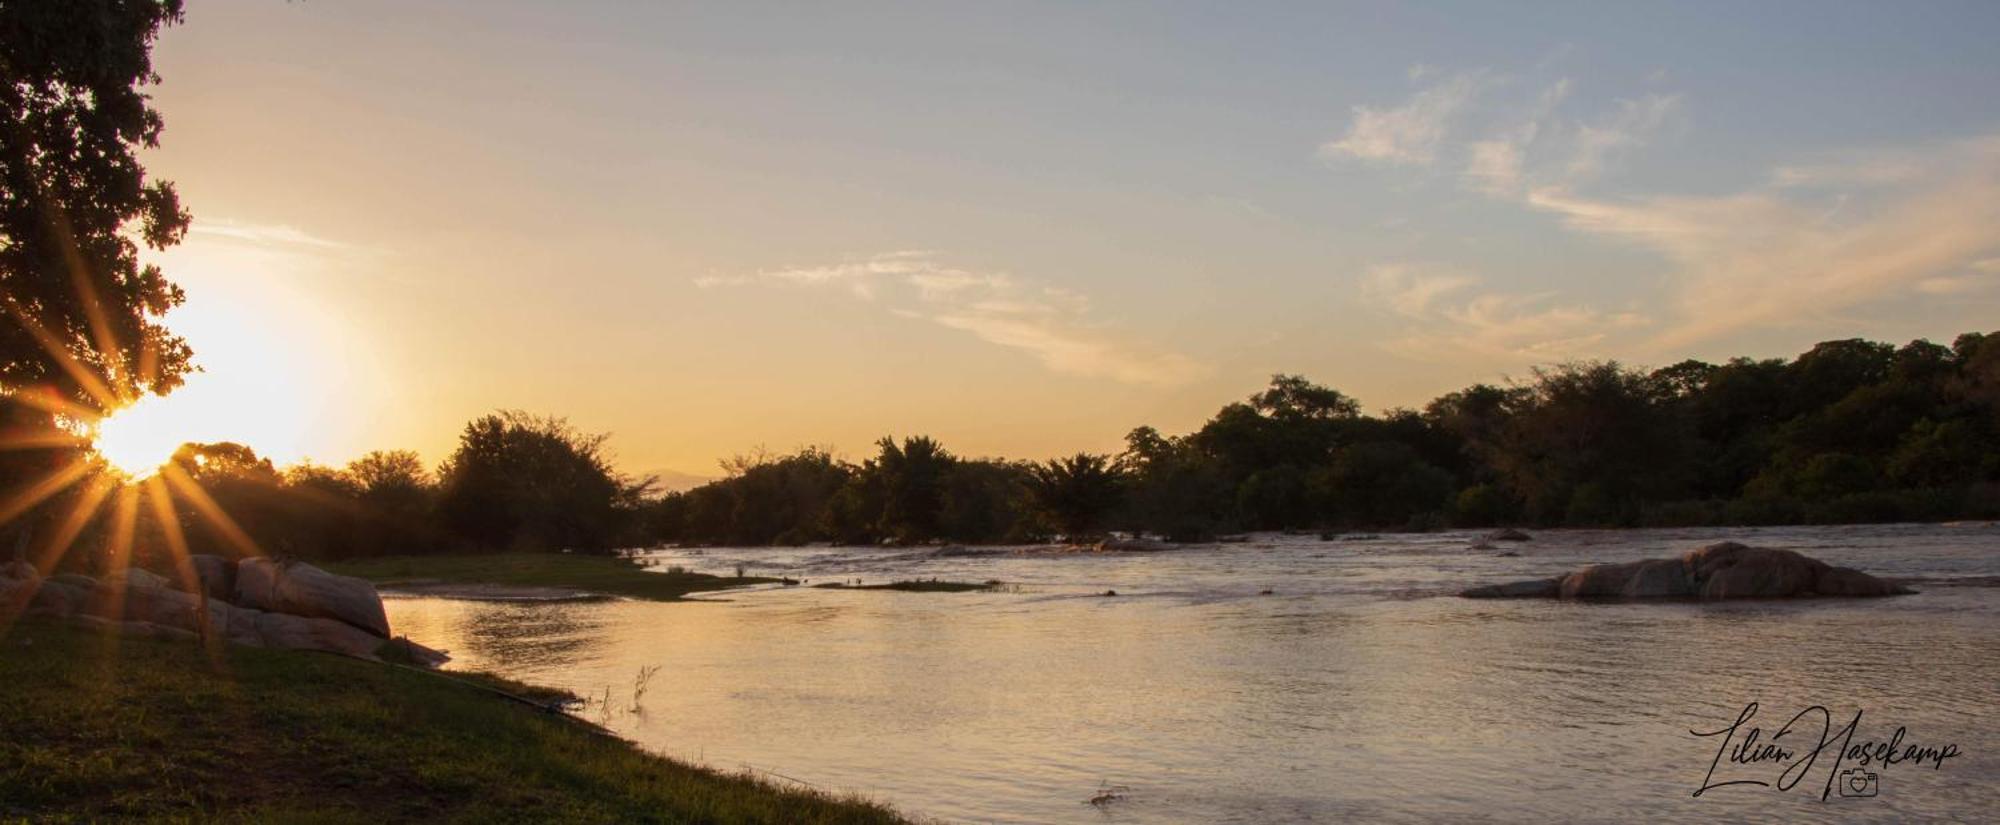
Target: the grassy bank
pixel 610 575
pixel 105 728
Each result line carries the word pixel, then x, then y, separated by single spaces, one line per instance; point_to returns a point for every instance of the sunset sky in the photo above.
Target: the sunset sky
pixel 1025 229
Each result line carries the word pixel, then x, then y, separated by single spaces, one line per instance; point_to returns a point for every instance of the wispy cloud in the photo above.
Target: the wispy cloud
pixel 1774 256
pixel 1630 126
pixel 1447 318
pixel 274 235
pixel 1050 323
pixel 1816 237
pixel 1410 133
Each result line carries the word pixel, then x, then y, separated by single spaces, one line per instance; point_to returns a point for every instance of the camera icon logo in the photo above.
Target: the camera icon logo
pixel 1856 782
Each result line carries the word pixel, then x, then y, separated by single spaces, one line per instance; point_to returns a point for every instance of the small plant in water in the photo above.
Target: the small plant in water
pixel 739 571
pixel 639 685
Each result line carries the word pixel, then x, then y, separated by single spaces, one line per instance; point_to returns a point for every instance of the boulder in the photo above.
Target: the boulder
pixel 138 577
pixel 18 570
pixel 146 630
pixel 1719 571
pixel 304 590
pixel 15 594
pixel 1132 546
pixel 1531 589
pixel 284 630
pixel 136 609
pixel 216 574
pixel 60 598
pixel 256 585
pixel 1508 534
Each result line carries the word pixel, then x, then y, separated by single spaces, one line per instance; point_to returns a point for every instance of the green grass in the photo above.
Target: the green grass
pixel 917 586
pixel 609 575
pixel 101 728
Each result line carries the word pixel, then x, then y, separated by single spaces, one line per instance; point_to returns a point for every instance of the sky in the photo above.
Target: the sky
pixel 1025 229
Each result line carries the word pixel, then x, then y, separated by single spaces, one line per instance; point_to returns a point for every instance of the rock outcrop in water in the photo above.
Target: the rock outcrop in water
pixel 1719 571
pixel 1134 545
pixel 288 605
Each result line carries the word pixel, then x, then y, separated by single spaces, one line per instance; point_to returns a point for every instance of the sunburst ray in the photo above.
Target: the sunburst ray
pixel 208 509
pixel 94 492
pixel 159 496
pixel 78 371
pixel 55 482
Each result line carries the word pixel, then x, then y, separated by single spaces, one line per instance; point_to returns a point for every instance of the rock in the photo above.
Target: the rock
pixel 60 596
pixel 19 571
pixel 301 589
pixel 284 630
pixel 256 585
pixel 138 577
pixel 1719 571
pixel 146 630
pixel 135 609
pixel 1533 589
pixel 402 650
pixel 216 574
pixel 1110 592
pixel 75 580
pixel 1132 546
pixel 305 590
pixel 15 594
pixel 1508 534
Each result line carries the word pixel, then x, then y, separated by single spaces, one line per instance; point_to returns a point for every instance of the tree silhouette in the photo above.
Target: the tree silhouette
pixel 1075 493
pixel 73 113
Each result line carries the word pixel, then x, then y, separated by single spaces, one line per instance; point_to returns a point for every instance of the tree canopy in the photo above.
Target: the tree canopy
pixel 73 114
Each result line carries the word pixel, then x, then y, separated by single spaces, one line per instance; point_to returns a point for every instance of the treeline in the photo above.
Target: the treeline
pixel 1849 431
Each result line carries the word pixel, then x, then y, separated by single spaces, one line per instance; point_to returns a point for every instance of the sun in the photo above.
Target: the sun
pixel 139 439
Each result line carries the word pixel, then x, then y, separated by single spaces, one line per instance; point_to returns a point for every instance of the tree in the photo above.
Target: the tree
pixel 73 114
pixel 1074 493
pixel 82 330
pixel 1172 488
pixel 525 482
pixel 390 473
pixel 1594 428
pixel 912 478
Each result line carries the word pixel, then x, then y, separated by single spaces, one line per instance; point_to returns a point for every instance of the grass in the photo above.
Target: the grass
pixel 917 586
pixel 102 728
pixel 609 575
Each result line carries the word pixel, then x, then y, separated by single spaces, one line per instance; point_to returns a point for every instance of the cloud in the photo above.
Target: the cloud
pixel 1526 143
pixel 1048 322
pixel 1818 236
pixel 1774 256
pixel 1447 320
pixel 1410 133
pixel 1631 125
pixel 270 235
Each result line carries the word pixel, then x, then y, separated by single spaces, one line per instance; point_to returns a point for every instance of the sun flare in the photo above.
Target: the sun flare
pixel 139 439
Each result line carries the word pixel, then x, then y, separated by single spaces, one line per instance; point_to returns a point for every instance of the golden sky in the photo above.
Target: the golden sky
pixel 705 229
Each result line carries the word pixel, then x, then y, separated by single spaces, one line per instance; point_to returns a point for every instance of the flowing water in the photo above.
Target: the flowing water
pixel 1359 688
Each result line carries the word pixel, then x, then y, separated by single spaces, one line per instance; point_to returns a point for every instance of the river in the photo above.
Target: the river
pixel 1358 688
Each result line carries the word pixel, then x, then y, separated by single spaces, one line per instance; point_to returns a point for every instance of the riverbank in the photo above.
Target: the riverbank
pixel 534 576
pixel 101 727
